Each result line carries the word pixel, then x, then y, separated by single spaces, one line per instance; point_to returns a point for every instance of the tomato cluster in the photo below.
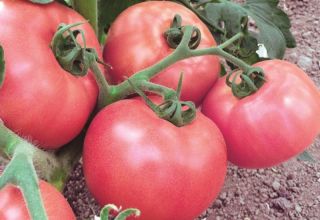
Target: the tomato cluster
pixel 131 157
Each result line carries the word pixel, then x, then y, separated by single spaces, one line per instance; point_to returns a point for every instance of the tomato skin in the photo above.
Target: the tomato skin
pixel 39 100
pixel 272 125
pixel 132 158
pixel 13 207
pixel 135 41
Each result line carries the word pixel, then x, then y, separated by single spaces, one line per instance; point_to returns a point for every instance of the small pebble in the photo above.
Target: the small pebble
pixel 305 62
pixel 276 185
pixel 298 208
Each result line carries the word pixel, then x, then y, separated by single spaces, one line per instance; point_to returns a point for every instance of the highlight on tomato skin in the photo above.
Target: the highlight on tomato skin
pixel 13 207
pixel 136 41
pixel 142 161
pixel 274 124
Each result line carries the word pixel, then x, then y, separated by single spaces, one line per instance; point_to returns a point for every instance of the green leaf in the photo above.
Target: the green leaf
pixel 2 66
pixel 269 11
pixel 273 24
pixel 306 156
pixel 41 1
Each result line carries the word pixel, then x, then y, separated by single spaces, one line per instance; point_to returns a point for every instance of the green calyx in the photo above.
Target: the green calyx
pixel 250 81
pixel 179 113
pixel 71 56
pixel 122 215
pixel 78 60
pixel 175 34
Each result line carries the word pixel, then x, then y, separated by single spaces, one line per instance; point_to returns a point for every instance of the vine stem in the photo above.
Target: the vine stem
pixel 105 90
pixel 112 93
pixel 50 166
pixel 20 172
pixel 181 52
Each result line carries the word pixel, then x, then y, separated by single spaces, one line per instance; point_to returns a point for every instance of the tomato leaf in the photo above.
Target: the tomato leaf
pixel 306 156
pixel 41 1
pixel 2 66
pixel 273 23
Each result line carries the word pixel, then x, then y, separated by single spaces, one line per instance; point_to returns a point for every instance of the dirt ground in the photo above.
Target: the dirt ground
pixel 288 191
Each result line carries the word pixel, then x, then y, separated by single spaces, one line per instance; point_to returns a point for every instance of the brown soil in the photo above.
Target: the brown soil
pixel 288 191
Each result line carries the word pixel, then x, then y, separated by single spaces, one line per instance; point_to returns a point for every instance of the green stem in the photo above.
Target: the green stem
pixel 181 52
pixel 166 92
pixel 27 161
pixel 21 172
pixel 47 164
pixel 105 90
pixel 125 89
pixel 230 41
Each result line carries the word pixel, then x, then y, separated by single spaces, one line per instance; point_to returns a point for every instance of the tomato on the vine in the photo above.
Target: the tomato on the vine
pixel 132 158
pixel 136 41
pixel 274 124
pixel 13 207
pixel 39 100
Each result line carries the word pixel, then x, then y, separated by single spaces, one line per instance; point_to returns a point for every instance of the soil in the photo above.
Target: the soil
pixel 287 191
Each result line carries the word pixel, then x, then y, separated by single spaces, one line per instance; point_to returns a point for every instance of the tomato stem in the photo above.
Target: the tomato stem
pixel 105 90
pixel 183 52
pixel 21 172
pixel 49 166
pixel 28 160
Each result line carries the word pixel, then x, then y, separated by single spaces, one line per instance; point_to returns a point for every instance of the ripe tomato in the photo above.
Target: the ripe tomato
pixel 277 122
pixel 132 158
pixel 135 41
pixel 39 100
pixel 13 207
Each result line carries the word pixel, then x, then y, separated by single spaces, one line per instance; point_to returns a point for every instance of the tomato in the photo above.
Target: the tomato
pixel 132 158
pixel 274 124
pixel 39 100
pixel 135 41
pixel 13 207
